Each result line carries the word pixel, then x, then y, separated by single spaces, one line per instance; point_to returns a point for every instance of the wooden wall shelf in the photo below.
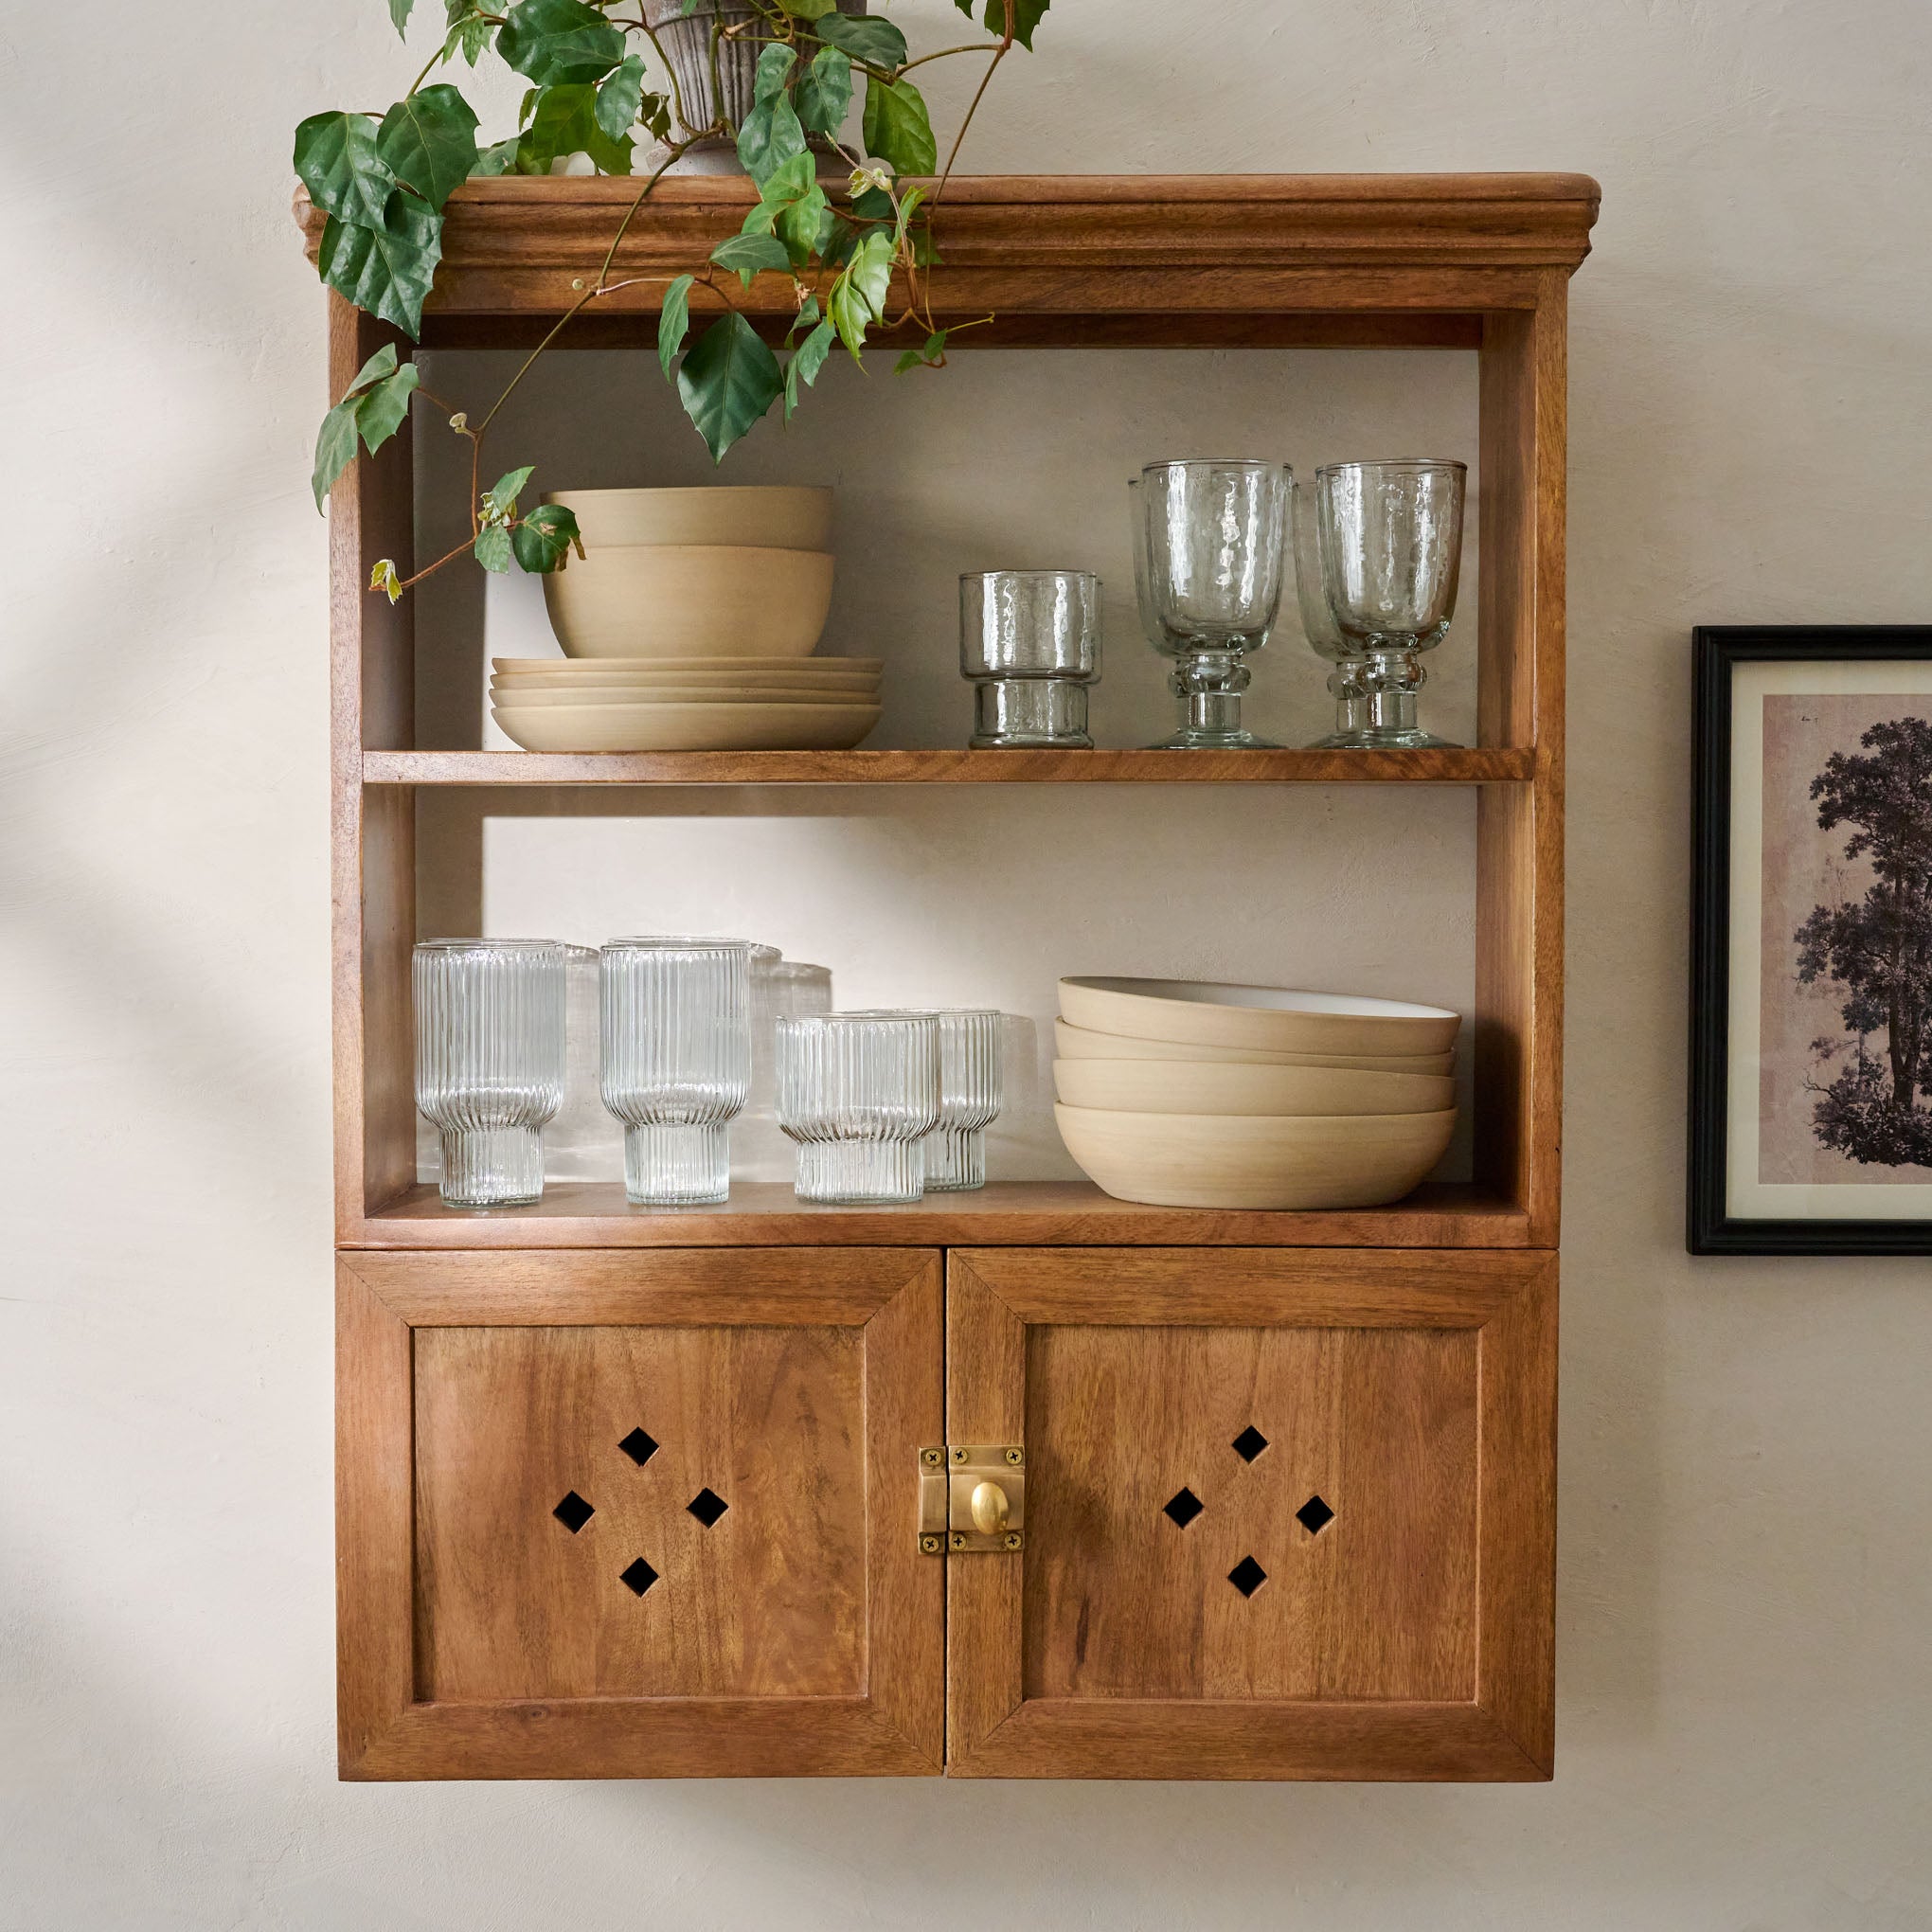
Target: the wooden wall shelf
pixel 629 1493
pixel 863 767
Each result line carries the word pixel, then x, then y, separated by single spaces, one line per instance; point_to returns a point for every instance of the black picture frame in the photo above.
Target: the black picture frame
pixel 1717 650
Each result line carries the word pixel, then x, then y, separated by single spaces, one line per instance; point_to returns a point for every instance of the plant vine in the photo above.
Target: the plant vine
pixel 383 181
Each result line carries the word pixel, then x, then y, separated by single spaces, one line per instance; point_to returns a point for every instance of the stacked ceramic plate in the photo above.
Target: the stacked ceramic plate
pixel 1190 1094
pixel 690 624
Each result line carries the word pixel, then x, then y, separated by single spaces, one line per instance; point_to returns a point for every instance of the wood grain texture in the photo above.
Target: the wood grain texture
pixel 801 1633
pixel 1408 1637
pixel 1015 1214
pixel 1498 764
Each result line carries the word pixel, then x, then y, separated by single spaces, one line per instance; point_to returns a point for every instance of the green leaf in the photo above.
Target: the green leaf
pixel 620 99
pixel 560 41
pixel 499 159
pixel 468 30
pixel 808 10
pixel 813 350
pixel 1026 15
pixel 870 270
pixel 771 136
pixel 545 539
pixel 800 225
pixel 429 140
pixel 381 412
pixel 674 322
pixel 876 41
pixel 824 94
pixel 384 578
pixel 398 14
pixel 873 205
pixel 335 450
pixel 493 548
pixel 748 254
pixel 727 382
pixel 385 271
pixel 928 356
pixel 898 129
pixel 774 65
pixel 338 162
pixel 564 122
pixel 380 365
pixel 499 500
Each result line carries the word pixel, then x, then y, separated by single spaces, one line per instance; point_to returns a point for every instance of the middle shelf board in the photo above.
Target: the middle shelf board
pixel 1002 1214
pixel 1483 765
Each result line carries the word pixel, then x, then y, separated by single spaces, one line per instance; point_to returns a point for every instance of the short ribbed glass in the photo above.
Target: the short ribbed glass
pixel 490 1062
pixel 859 1092
pixel 676 1062
pixel 971 1095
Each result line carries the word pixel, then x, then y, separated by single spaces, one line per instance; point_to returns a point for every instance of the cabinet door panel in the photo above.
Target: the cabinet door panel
pixel 637 1514
pixel 1286 1515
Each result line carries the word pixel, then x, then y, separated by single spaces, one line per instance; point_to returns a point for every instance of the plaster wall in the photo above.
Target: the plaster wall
pixel 1746 1719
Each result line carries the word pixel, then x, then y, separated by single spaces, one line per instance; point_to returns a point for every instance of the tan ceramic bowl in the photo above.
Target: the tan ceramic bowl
pixel 780 673
pixel 679 600
pixel 1075 1043
pixel 673 694
pixel 687 727
pixel 1185 1086
pixel 1209 1013
pixel 767 516
pixel 684 669
pixel 1247 1160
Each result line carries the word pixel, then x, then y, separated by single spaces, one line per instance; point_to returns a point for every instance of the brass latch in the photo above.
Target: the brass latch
pixel 971 1497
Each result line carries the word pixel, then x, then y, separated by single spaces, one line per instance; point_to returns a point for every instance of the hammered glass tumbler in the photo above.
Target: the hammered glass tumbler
pixel 1029 640
pixel 1390 542
pixel 676 1062
pixel 858 1092
pixel 490 1058
pixel 1211 552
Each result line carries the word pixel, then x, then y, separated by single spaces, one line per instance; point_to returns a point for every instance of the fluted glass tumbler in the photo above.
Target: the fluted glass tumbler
pixel 858 1093
pixel 1390 542
pixel 1210 548
pixel 1030 641
pixel 490 1059
pixel 971 1094
pixel 676 1062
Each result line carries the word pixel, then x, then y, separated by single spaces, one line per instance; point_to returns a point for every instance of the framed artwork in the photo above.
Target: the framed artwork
pixel 1811 955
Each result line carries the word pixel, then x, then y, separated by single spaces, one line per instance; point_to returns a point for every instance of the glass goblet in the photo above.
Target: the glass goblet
pixel 1391 540
pixel 1319 627
pixel 1210 543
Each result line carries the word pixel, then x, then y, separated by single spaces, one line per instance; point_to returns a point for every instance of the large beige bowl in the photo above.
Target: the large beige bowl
pixel 687 727
pixel 522 700
pixel 773 673
pixel 768 516
pixel 1249 1161
pixel 1075 1043
pixel 1186 1086
pixel 679 601
pixel 680 670
pixel 1206 1013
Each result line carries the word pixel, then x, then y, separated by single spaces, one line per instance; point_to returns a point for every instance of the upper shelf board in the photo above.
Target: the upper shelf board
pixel 1389 260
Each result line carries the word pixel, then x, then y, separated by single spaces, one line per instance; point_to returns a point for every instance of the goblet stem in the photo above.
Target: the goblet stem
pixel 1209 685
pixel 1351 701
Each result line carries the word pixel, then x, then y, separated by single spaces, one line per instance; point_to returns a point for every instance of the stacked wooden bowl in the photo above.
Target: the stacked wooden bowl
pixel 1191 1094
pixel 690 624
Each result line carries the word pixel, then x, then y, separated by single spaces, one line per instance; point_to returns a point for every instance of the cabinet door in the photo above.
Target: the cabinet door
pixel 637 1515
pixel 1287 1514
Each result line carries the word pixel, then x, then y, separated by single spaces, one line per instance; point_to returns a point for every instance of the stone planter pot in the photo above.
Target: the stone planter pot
pixel 687 43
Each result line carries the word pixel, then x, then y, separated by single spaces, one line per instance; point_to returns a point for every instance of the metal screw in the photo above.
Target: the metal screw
pixel 1016 1456
pixel 929 1457
pixel 958 1456
pixel 1014 1539
pixel 958 1541
pixel 929 1545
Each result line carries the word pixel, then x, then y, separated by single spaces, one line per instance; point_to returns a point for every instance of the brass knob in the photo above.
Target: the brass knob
pixel 988 1506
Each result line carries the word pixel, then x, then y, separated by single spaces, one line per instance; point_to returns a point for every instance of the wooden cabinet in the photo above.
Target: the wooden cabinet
pixel 658 1514
pixel 636 1493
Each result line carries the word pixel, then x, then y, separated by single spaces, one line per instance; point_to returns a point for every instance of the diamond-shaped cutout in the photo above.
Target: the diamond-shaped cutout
pixel 573 1512
pixel 637 1575
pixel 1247 1576
pixel 707 1507
pixel 1315 1515
pixel 1249 1444
pixel 1182 1507
pixel 638 1447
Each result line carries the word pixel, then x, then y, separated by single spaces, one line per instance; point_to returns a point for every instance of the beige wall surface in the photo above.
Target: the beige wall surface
pixel 1745 1720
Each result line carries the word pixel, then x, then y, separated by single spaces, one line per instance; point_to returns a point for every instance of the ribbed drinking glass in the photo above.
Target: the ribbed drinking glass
pixel 490 1058
pixel 1390 537
pixel 858 1092
pixel 971 1095
pixel 676 1062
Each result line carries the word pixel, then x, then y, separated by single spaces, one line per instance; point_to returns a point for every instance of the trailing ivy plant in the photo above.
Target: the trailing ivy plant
pixel 381 183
